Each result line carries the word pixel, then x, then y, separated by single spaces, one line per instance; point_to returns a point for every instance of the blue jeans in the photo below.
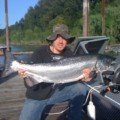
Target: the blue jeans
pixel 32 109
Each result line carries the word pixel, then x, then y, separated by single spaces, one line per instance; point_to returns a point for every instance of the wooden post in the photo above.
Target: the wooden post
pixel 7 31
pixel 85 17
pixel 103 17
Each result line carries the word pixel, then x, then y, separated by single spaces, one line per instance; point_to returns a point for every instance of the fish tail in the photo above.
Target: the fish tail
pixel 15 65
pixel 7 64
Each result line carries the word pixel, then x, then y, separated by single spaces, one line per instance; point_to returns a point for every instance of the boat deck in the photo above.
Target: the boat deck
pixel 12 95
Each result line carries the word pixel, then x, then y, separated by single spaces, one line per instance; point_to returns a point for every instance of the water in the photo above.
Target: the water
pixel 20 48
pixel 23 48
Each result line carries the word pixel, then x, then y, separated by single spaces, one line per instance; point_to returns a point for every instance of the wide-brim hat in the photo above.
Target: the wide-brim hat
pixel 61 30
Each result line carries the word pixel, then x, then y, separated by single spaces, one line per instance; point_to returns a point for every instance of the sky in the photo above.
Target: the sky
pixel 16 10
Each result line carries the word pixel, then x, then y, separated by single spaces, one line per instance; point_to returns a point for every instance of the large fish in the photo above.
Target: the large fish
pixel 65 70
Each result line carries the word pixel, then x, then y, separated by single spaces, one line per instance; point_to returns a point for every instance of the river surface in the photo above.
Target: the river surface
pixel 20 48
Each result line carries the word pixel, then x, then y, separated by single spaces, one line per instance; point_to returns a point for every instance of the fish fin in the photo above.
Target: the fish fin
pixel 34 78
pixel 37 78
pixel 80 77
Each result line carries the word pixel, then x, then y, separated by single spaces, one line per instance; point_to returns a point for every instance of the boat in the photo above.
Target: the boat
pixel 106 99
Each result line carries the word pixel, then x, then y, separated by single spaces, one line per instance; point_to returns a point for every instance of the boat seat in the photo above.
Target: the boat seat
pixel 56 111
pixel 59 112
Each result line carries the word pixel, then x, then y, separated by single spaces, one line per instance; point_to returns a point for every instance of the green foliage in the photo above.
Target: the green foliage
pixel 57 20
pixel 113 23
pixel 2 39
pixel 117 29
pixel 37 24
pixel 28 35
pixel 95 24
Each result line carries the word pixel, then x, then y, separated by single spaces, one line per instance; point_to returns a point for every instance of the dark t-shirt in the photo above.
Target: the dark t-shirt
pixel 44 55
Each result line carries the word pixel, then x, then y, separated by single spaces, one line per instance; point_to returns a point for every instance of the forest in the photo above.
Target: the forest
pixel 36 25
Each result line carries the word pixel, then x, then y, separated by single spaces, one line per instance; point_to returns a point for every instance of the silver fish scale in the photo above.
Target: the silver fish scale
pixel 63 71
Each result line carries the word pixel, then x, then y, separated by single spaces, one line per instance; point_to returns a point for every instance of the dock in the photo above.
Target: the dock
pixel 17 53
pixel 12 96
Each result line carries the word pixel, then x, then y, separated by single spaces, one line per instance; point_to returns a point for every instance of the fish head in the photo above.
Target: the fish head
pixel 104 63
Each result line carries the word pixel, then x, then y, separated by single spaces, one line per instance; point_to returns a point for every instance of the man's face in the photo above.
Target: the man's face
pixel 59 44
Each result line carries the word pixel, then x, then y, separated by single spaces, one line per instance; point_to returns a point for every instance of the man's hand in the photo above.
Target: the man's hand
pixel 22 73
pixel 86 74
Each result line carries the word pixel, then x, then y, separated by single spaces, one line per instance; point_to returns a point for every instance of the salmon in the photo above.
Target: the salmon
pixel 65 70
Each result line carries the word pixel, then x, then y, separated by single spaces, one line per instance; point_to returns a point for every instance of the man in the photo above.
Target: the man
pixel 43 94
